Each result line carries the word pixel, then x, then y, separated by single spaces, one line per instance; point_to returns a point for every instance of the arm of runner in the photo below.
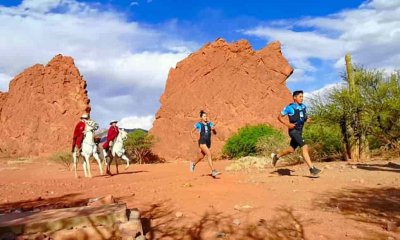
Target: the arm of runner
pixel 194 130
pixel 213 130
pixel 287 124
pixel 191 134
pixel 214 124
pixel 285 112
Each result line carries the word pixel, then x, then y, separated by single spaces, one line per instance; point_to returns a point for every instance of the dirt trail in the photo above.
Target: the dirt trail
pixel 344 203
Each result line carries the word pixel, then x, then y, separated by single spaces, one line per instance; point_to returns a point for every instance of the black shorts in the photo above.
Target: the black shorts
pixel 296 138
pixel 205 141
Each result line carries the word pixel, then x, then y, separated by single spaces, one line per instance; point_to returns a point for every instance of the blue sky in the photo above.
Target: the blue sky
pixel 124 49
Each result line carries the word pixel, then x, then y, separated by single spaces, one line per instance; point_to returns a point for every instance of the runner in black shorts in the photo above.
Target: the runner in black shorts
pixel 296 138
pixel 204 128
pixel 297 115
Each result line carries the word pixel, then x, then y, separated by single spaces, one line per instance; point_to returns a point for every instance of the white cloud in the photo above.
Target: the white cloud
pixel 146 69
pixel 383 4
pixel 89 35
pixel 300 75
pixel 300 48
pixel 110 51
pixel 40 5
pixel 134 3
pixel 325 90
pixel 371 33
pixel 145 122
pixel 321 94
pixel 4 81
pixel 300 45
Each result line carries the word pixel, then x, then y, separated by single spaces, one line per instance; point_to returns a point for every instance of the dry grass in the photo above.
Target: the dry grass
pixel 260 163
pixel 63 158
pixel 248 163
pixel 20 161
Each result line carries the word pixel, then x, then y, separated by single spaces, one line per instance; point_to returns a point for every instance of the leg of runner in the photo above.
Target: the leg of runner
pixel 205 150
pixel 275 157
pixel 193 164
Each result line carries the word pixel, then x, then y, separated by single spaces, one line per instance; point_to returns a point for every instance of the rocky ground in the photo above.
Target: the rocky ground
pixel 347 202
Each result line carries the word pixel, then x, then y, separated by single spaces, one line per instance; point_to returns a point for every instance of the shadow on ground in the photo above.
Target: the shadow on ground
pixel 378 206
pixel 283 172
pixel 46 225
pixel 65 201
pixel 160 221
pixel 388 167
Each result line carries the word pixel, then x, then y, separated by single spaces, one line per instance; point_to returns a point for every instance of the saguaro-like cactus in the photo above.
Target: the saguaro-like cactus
pixel 357 147
pixel 350 72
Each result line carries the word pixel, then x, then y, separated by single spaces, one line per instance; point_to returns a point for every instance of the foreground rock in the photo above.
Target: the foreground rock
pixel 234 83
pixel 101 222
pixel 41 108
pixel 95 202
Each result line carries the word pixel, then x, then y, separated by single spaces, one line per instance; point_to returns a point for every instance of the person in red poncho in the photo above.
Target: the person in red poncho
pixel 79 134
pixel 111 135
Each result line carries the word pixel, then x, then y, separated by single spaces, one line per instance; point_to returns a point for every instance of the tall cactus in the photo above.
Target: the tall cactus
pixel 357 147
pixel 347 129
pixel 350 72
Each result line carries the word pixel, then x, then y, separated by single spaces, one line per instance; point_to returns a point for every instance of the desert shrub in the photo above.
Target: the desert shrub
pixel 274 143
pixel 325 141
pixel 244 142
pixel 271 143
pixel 63 158
pixel 138 146
pixel 248 164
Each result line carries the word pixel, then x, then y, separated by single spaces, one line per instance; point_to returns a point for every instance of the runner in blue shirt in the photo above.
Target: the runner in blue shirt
pixel 204 128
pixel 297 115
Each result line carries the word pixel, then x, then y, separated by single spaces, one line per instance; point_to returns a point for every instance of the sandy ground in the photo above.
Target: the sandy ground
pixel 346 202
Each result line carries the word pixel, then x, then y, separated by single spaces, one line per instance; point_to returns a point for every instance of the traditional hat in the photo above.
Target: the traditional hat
pixel 113 121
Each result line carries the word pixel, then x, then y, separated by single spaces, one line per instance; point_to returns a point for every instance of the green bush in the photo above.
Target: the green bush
pixel 63 158
pixel 368 112
pixel 139 144
pixel 325 141
pixel 274 143
pixel 244 142
pixel 271 143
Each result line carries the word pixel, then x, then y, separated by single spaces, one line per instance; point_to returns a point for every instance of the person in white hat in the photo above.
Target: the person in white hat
pixel 112 134
pixel 78 134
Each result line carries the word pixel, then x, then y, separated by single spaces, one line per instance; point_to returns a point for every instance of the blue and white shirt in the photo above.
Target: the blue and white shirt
pixel 297 114
pixel 198 126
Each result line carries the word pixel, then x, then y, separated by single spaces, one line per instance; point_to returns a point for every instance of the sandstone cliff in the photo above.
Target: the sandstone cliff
pixel 233 83
pixel 41 108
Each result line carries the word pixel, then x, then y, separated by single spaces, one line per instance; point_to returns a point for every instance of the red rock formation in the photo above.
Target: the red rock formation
pixel 41 108
pixel 233 83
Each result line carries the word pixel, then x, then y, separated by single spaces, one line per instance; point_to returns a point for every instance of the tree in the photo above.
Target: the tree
pixel 382 103
pixel 365 106
pixel 139 144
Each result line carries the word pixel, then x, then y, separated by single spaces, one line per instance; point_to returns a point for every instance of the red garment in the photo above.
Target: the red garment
pixel 111 135
pixel 78 134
